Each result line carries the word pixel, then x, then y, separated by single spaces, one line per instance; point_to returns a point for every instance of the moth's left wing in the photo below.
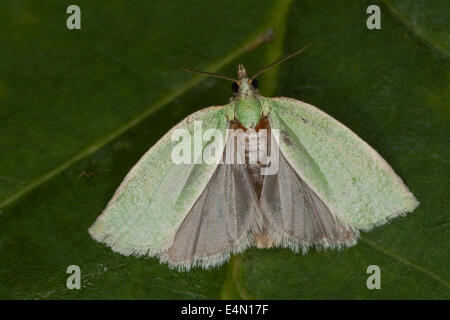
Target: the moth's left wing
pixel 355 183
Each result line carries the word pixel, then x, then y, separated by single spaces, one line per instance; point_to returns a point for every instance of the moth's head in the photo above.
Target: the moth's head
pixel 244 86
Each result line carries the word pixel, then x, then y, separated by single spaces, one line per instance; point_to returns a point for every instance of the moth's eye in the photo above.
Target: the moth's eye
pixel 255 83
pixel 235 87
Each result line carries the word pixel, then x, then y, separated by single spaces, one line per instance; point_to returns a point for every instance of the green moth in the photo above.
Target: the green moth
pixel 329 185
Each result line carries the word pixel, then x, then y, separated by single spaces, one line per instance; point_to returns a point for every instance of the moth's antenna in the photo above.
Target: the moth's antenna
pixel 293 54
pixel 209 74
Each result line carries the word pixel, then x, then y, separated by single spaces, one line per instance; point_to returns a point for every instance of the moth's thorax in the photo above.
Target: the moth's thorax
pixel 247 110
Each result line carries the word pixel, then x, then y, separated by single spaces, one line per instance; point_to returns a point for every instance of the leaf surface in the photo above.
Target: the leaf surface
pixel 79 108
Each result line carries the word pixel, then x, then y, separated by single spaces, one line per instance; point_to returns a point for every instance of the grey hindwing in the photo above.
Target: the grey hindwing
pixel 297 217
pixel 219 223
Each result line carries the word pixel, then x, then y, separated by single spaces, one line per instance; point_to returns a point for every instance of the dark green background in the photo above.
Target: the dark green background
pixel 78 108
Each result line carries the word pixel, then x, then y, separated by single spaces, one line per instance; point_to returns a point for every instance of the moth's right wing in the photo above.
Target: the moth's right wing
pixel 155 197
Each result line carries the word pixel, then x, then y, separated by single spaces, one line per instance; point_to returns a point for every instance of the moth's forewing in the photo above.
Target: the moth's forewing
pixel 352 179
pixel 156 195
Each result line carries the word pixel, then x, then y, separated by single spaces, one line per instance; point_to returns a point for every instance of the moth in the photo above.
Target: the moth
pixel 329 185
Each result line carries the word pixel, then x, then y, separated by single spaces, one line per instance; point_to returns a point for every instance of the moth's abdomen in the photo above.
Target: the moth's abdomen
pixel 256 143
pixel 254 172
pixel 254 149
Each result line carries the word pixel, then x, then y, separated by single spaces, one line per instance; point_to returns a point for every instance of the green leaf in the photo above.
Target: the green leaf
pixel 78 109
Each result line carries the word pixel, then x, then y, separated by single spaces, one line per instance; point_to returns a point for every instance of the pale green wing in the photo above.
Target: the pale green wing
pixel 350 177
pixel 156 195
